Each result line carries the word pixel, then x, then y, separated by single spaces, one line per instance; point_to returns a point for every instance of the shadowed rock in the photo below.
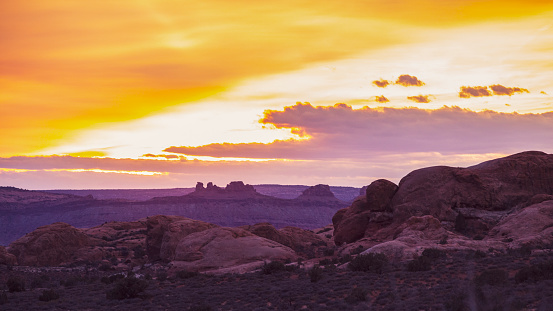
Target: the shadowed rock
pixel 50 245
pixel 7 258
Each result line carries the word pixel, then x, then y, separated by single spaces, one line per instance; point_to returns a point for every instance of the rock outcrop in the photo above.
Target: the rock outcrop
pixel 165 232
pixel 469 200
pixel 303 242
pixel 370 212
pixel 235 189
pixel 50 245
pixel 7 258
pixel 222 247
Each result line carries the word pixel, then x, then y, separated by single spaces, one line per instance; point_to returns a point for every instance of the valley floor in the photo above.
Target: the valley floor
pixel 454 282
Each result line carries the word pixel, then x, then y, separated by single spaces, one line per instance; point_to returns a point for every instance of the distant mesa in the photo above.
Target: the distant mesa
pixel 318 193
pixel 233 189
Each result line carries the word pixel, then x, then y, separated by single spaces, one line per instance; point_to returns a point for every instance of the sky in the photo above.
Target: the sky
pixel 162 94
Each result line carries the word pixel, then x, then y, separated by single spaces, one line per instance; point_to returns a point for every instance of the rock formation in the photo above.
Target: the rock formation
pixel 50 245
pixel 222 247
pixel 7 258
pixel 469 200
pixel 303 242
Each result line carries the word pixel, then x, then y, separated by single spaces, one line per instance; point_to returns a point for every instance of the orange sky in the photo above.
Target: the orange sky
pixel 105 80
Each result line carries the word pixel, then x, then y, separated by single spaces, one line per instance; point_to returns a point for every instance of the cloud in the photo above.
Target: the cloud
pixel 543 92
pixel 501 90
pixel 474 91
pixel 166 156
pixel 419 98
pixel 340 132
pixel 382 99
pixel 407 80
pixel 381 83
pixel 498 89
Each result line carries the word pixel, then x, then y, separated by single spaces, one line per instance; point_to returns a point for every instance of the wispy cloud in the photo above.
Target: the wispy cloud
pixel 419 98
pixel 382 99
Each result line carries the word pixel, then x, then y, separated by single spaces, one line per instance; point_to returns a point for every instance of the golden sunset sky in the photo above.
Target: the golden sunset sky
pixel 159 94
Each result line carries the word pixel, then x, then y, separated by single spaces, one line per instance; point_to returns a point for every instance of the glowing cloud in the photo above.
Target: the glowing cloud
pixel 382 99
pixel 474 91
pixel 381 83
pixel 501 90
pixel 340 132
pixel 419 98
pixel 407 80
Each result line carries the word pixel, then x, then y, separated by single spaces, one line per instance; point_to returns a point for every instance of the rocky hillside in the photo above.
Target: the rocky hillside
pixel 236 204
pixel 503 203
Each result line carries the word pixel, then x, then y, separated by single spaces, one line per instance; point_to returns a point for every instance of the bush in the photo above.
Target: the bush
pixel 202 307
pixel 129 287
pixel 15 284
pixel 139 252
pixel 533 273
pixel 112 278
pixel 316 274
pixel 492 277
pixel 184 274
pixel 328 251
pixel 457 302
pixel 272 267
pixel 373 262
pixel 49 295
pixel 433 253
pixel 3 298
pixel 357 294
pixel 422 263
pixel 161 276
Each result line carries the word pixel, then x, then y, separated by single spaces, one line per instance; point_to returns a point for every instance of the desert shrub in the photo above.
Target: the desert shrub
pixel 105 266
pixel 328 251
pixel 523 251
pixel 443 240
pixel 421 263
pixel 129 287
pixel 3 298
pixel 324 230
pixel 457 302
pixel 357 250
pixel 479 254
pixel 533 273
pixel 300 261
pixel 492 277
pixel 315 274
pixel 433 253
pixel 346 258
pixel 357 294
pixel 325 262
pixel 49 295
pixel 15 284
pixel 184 274
pixel 139 252
pixel 478 237
pixel 161 276
pixel 202 307
pixel 373 262
pixel 112 278
pixel 272 267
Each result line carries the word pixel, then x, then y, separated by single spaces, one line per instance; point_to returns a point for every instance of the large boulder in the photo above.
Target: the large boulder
pixel 223 247
pixel 50 245
pixel 532 225
pixel 165 232
pixel 367 212
pixel 494 185
pixel 7 258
